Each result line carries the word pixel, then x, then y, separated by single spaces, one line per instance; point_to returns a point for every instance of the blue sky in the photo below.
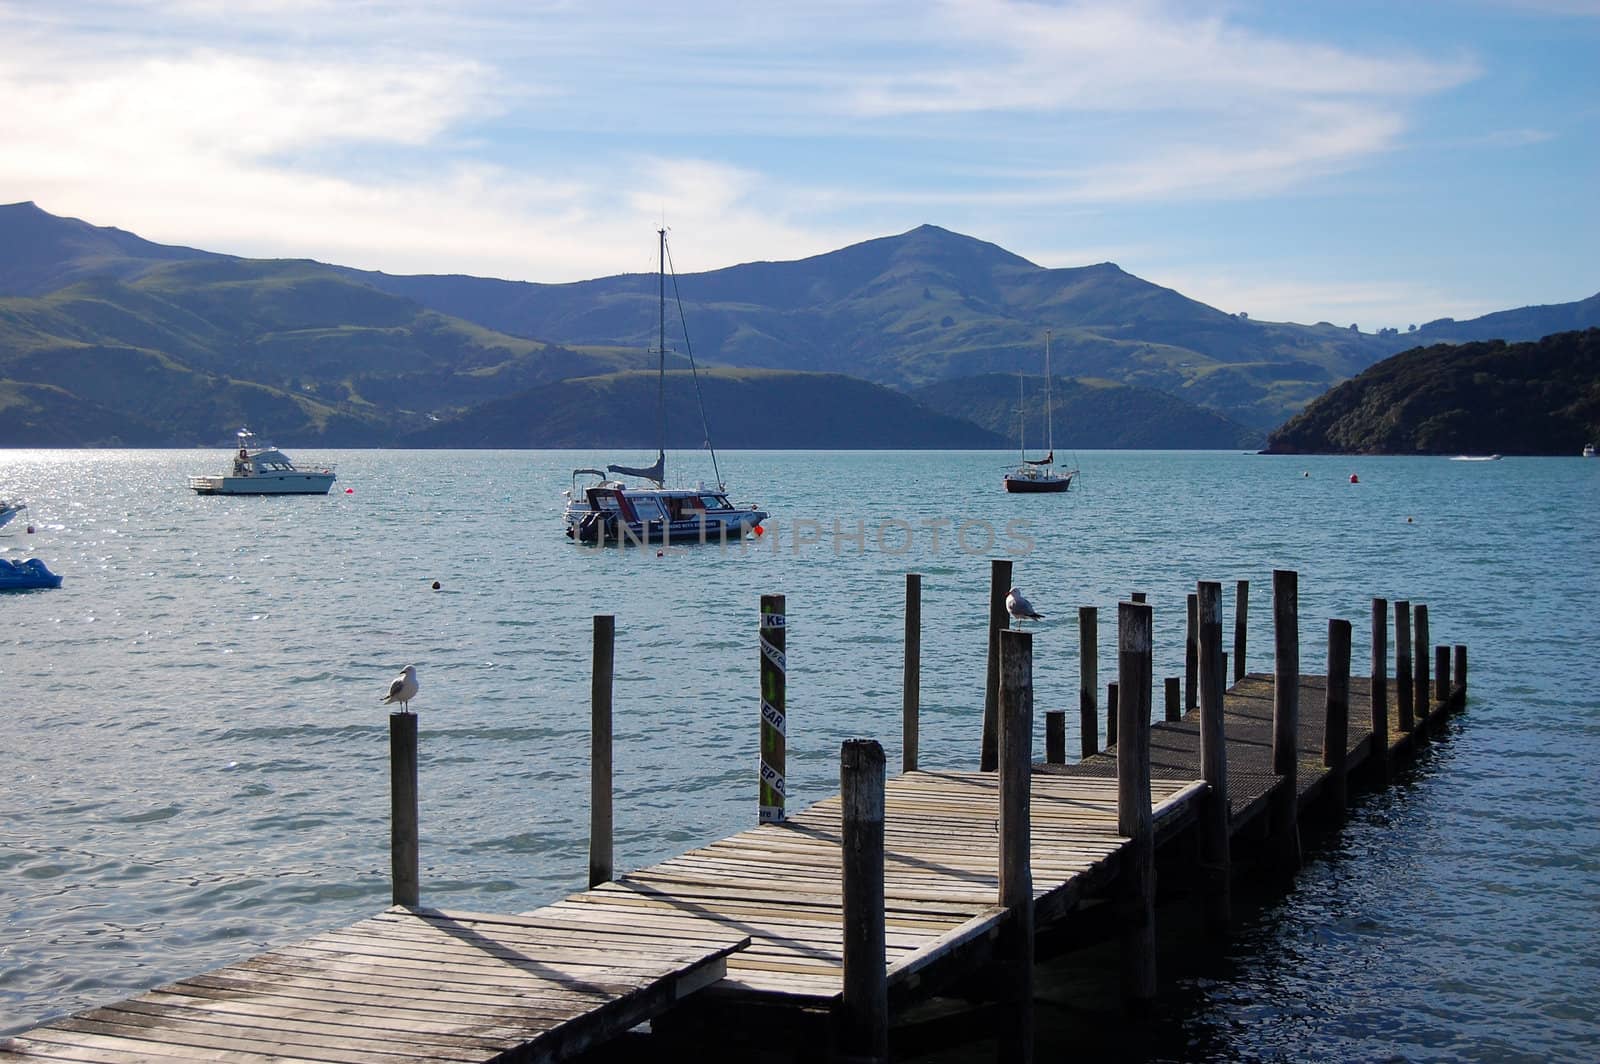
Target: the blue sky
pixel 1376 163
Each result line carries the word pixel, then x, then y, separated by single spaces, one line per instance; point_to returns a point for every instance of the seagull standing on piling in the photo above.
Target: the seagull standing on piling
pixel 403 689
pixel 1018 606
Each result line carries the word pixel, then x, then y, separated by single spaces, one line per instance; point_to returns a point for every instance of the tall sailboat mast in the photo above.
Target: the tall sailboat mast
pixel 1049 404
pixel 661 338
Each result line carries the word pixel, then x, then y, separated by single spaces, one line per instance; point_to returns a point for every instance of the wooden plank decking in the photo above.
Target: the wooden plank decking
pixel 758 915
pixel 402 987
pixel 780 883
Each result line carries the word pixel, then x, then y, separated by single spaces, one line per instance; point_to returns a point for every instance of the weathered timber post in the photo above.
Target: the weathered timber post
pixel 1055 737
pixel 1111 714
pixel 1441 673
pixel 1380 689
pixel 911 689
pixel 863 1021
pixel 1423 699
pixel 1336 718
pixel 1404 692
pixel 774 711
pixel 1461 669
pixel 1174 698
pixel 1134 818
pixel 1241 623
pixel 1137 596
pixel 1215 817
pixel 601 866
pixel 1286 717
pixel 999 587
pixel 1016 868
pixel 1088 683
pixel 1191 654
pixel 403 808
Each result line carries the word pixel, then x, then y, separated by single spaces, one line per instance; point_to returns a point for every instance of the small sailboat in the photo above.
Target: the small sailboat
pixel 1036 475
pixel 604 509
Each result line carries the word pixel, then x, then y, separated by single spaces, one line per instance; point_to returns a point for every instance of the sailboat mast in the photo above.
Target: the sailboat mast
pixel 661 338
pixel 1049 404
pixel 1022 421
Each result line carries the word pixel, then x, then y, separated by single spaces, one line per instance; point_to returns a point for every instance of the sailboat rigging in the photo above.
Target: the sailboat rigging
pixel 1036 475
pixel 603 509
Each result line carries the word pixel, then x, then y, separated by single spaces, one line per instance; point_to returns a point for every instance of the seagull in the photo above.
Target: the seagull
pixel 1018 606
pixel 404 689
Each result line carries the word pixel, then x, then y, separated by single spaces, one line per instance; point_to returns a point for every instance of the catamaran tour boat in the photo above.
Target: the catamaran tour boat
pixel 1034 475
pixel 602 508
pixel 264 471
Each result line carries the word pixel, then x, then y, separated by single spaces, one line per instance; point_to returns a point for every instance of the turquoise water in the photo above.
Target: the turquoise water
pixel 195 754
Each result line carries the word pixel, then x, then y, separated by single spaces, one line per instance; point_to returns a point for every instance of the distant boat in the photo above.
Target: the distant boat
pixel 1588 450
pixel 26 575
pixel 607 510
pixel 1038 475
pixel 1476 458
pixel 10 508
pixel 264 471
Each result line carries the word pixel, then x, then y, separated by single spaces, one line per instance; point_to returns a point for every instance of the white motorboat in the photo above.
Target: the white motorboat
pixel 1588 450
pixel 605 509
pixel 264 471
pixel 1038 475
pixel 10 508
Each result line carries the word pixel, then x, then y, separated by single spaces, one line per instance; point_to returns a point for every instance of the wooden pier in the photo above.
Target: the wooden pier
pixel 803 936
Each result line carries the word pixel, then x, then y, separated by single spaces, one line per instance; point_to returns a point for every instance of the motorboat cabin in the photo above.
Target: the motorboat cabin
pixel 600 510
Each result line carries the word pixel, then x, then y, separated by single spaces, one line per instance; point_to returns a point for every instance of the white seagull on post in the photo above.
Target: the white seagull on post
pixel 403 689
pixel 1018 606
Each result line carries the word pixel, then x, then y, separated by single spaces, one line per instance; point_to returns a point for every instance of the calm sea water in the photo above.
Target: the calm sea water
pixel 194 755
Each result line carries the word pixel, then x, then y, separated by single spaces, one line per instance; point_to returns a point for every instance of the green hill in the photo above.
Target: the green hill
pixel 1088 414
pixel 931 305
pixel 745 408
pixel 180 346
pixel 1541 397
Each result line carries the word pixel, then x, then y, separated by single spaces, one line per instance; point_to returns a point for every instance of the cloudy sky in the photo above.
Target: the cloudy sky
pixel 1373 162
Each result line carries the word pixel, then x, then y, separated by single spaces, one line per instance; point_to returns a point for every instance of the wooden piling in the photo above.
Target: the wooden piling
pixel 1191 655
pixel 1461 666
pixel 911 686
pixel 863 1018
pixel 1055 737
pixel 999 587
pixel 1241 624
pixel 601 865
pixel 774 711
pixel 1137 596
pixel 1111 715
pixel 1404 692
pixel 1088 683
pixel 1016 862
pixel 1134 630
pixel 1336 716
pixel 1379 680
pixel 1216 872
pixel 1286 717
pixel 1423 698
pixel 1174 698
pixel 403 808
pixel 1441 673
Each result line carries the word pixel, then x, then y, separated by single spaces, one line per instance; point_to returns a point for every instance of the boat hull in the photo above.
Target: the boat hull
pixel 287 484
pixel 601 527
pixel 1037 485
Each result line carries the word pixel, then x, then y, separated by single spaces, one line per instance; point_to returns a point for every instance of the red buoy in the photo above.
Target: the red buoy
pixel 1354 479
